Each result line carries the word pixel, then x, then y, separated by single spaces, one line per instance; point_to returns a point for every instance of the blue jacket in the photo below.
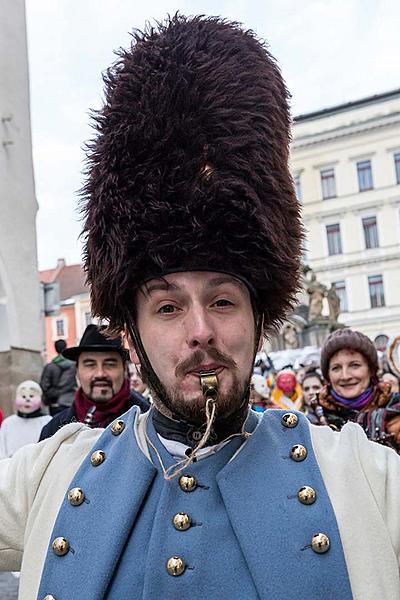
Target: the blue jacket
pixel 249 538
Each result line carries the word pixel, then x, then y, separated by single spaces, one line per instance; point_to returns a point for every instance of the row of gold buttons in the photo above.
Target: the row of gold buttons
pixel 182 522
pixel 76 496
pixel 307 495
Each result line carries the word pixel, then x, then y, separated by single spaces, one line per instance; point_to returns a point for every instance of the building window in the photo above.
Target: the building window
pixel 397 166
pixel 364 173
pixel 370 232
pixel 376 294
pixel 60 329
pixel 334 239
pixel 340 288
pixel 88 318
pixel 297 185
pixel 328 183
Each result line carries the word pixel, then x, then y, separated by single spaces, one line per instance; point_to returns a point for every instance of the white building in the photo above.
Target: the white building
pixel 20 311
pixel 346 166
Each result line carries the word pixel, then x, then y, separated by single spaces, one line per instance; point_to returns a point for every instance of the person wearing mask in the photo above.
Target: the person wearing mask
pixel 104 391
pixel 25 426
pixel 349 364
pixel 58 381
pixel 287 392
pixel 259 392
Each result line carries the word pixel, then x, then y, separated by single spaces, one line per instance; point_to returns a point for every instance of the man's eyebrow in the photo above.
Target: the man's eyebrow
pixel 159 285
pixel 166 286
pixel 221 279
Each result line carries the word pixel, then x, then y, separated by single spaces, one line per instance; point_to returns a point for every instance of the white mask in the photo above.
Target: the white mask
pixel 28 397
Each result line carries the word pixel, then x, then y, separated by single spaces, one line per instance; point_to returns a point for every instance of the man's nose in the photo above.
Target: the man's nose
pixel 199 329
pixel 99 372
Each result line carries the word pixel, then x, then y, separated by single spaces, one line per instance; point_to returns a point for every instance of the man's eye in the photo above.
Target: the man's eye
pixel 223 302
pixel 166 309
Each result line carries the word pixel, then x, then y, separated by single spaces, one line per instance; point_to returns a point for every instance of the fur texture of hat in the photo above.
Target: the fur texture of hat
pixel 347 339
pixel 189 168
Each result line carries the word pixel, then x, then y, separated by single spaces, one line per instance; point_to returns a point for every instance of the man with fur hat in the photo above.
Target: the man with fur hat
pixel 193 249
pixel 104 390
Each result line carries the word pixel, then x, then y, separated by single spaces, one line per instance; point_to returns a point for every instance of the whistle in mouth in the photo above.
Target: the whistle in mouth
pixel 209 384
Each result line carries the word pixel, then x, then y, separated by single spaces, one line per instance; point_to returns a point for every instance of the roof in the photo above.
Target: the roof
pixel 71 279
pixel 326 112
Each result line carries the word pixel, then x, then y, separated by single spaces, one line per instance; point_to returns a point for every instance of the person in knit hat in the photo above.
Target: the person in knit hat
pixel 349 363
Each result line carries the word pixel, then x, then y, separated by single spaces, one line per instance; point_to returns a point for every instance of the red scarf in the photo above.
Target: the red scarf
pixel 105 411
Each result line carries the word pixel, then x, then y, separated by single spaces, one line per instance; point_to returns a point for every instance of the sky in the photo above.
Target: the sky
pixel 330 52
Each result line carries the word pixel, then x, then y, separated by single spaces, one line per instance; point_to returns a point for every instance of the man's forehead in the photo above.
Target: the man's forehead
pixel 99 356
pixel 190 279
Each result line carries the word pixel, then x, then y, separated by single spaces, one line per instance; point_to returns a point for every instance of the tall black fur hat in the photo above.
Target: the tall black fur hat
pixel 189 169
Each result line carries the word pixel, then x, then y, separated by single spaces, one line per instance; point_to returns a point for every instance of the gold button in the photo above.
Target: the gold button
pixel 97 458
pixel 187 483
pixel 117 427
pixel 290 420
pixel 175 566
pixel 298 453
pixel 181 521
pixel 60 546
pixel 76 496
pixel 307 495
pixel 320 543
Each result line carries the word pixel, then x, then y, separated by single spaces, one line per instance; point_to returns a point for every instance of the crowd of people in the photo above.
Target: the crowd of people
pixel 95 382
pixel 348 384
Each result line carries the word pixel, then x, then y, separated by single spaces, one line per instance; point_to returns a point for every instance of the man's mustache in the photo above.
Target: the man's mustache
pixel 103 380
pixel 199 357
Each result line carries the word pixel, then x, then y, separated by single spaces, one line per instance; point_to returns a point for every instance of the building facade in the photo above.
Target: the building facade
pixel 74 312
pixel 345 162
pixel 20 307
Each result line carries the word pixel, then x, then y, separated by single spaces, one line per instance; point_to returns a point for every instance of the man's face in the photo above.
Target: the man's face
pixel 100 374
pixel 192 322
pixel 135 380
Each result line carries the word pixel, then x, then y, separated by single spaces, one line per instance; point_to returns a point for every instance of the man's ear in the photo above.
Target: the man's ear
pixel 132 350
pixel 261 338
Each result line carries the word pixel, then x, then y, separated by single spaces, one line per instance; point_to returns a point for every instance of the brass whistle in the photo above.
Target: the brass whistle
pixel 209 384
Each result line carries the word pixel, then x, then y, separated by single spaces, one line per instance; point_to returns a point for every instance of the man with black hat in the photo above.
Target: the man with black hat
pixel 193 248
pixel 104 391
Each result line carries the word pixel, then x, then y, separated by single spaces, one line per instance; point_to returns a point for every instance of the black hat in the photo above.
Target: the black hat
pixel 94 341
pixel 189 168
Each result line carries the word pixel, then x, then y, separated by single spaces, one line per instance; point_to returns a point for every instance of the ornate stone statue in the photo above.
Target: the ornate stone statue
pixel 290 336
pixel 333 303
pixel 316 291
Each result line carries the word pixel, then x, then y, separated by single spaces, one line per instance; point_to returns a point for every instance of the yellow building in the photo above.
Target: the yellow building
pixel 346 165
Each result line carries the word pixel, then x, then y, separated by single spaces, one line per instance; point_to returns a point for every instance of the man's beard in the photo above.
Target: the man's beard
pixel 192 410
pixel 101 396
